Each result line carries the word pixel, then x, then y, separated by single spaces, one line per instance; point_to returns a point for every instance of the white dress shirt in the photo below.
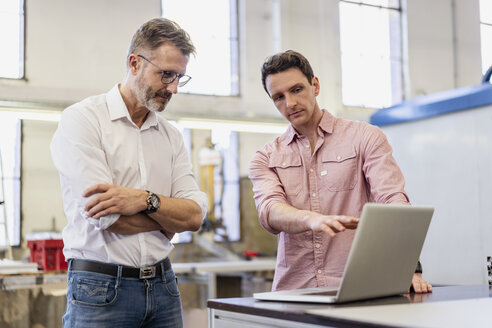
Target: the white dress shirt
pixel 97 142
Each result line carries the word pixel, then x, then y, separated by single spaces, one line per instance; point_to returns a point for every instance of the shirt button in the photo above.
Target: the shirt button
pixel 307 145
pixel 311 170
pixel 317 245
pixel 339 158
pixel 283 164
pixel 314 194
pixel 319 271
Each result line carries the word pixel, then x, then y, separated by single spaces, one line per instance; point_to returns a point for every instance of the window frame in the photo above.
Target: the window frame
pixel 397 93
pixel 484 25
pixel 234 54
pixel 13 160
pixel 22 43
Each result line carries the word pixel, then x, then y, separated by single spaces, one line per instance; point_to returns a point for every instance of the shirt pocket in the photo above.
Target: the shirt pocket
pixel 289 170
pixel 339 169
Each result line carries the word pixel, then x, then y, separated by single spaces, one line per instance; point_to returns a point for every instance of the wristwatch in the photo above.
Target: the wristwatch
pixel 153 203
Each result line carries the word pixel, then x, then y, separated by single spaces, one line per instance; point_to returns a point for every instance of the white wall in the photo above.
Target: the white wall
pixel 75 49
pixel 40 186
pixel 446 161
pixel 443 45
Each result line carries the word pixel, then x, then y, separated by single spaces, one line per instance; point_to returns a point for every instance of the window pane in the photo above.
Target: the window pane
pixel 10 139
pixel 12 39
pixel 371 56
pixel 227 195
pixel 486 34
pixel 486 11
pixel 214 71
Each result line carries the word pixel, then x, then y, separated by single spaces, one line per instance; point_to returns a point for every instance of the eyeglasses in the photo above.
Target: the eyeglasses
pixel 169 76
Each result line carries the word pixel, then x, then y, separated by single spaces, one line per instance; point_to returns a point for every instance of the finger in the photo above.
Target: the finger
pixel 335 224
pixel 425 287
pixel 100 206
pixel 349 221
pixel 91 203
pixel 96 200
pixel 105 212
pixel 416 287
pixel 98 188
pixel 329 231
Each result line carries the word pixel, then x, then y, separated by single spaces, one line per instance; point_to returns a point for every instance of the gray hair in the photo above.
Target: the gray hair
pixel 155 32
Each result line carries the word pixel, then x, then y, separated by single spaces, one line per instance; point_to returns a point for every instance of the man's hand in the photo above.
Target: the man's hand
pixel 419 285
pixel 113 199
pixel 284 217
pixel 331 224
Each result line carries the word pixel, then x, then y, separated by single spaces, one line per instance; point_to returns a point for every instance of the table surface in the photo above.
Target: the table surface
pixel 298 311
pixel 263 264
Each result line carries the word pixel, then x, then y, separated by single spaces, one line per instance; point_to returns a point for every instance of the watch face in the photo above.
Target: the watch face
pixel 153 203
pixel 154 200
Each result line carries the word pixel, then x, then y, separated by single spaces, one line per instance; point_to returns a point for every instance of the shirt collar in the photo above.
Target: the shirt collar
pixel 116 106
pixel 326 124
pixel 117 109
pixel 151 121
pixel 289 135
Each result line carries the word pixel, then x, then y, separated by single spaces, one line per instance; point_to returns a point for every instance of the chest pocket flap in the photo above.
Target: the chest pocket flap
pixel 339 169
pixel 339 155
pixel 289 171
pixel 284 160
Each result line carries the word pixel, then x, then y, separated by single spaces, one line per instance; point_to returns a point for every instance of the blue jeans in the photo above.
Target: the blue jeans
pixel 100 300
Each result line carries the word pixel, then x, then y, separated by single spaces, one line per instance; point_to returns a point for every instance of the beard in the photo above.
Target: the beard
pixel 153 100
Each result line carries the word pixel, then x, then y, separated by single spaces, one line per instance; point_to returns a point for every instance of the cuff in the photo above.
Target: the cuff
pixel 102 223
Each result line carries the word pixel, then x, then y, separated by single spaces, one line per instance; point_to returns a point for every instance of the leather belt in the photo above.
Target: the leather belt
pixel 126 272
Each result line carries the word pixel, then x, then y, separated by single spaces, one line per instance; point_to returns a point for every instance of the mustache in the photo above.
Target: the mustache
pixel 163 94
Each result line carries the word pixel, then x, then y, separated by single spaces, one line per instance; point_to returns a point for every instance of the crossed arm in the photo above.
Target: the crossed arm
pixel 174 215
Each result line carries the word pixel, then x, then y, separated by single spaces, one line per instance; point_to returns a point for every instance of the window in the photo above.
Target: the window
pixel 10 150
pixel 216 45
pixel 370 42
pixel 486 33
pixel 12 39
pixel 227 185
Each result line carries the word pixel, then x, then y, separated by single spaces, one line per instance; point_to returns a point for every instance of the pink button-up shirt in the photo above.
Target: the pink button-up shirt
pixel 352 164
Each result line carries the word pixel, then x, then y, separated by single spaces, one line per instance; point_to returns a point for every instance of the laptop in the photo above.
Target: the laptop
pixel 381 262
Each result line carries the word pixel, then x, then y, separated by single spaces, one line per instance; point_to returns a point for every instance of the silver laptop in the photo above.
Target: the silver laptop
pixel 382 260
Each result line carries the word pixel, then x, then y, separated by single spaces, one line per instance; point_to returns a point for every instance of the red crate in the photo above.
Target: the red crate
pixel 48 254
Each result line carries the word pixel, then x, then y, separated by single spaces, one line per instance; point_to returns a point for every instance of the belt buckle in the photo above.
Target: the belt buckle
pixel 147 272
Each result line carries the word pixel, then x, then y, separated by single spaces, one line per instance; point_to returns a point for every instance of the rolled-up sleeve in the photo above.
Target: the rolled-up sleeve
pixel 382 173
pixel 184 185
pixel 80 163
pixel 267 187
